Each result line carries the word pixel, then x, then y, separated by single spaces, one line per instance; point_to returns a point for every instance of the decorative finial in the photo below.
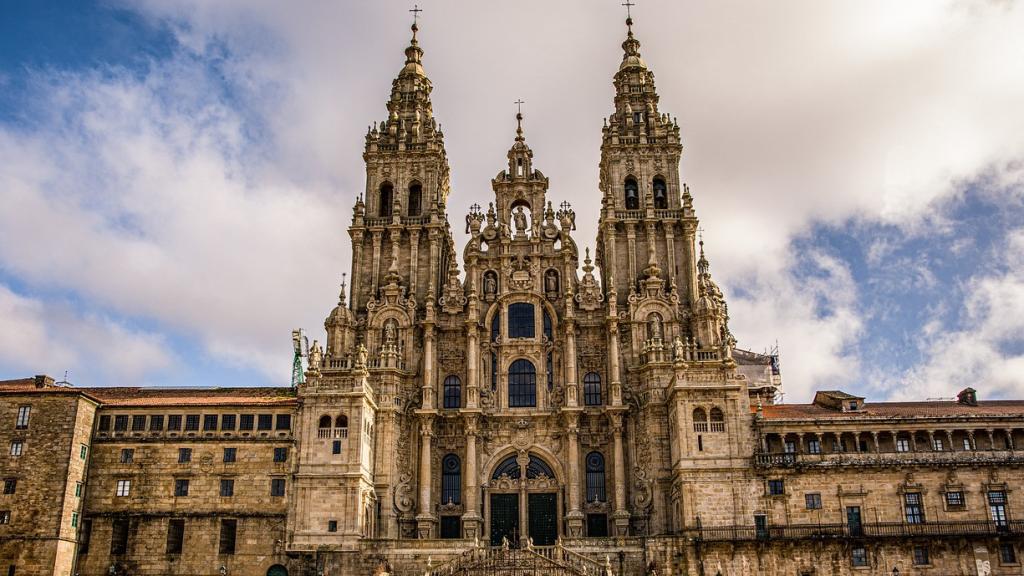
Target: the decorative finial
pixel 415 15
pixel 629 16
pixel 341 296
pixel 519 119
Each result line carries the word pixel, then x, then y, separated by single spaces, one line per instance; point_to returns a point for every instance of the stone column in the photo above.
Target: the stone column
pixel 931 440
pixel 428 368
pixel 991 439
pixel 425 519
pixel 1009 438
pixel 571 385
pixel 472 367
pixel 613 362
pixel 874 436
pixel 471 519
pixel 949 438
pixel 574 518
pixel 376 262
pixel 524 528
pixel 621 514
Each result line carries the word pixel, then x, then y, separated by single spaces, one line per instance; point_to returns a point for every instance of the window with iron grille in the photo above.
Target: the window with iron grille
pixel 184 455
pixel 955 499
pixel 227 422
pixel 127 455
pixel 104 425
pixel 595 478
pixel 138 423
pixel 227 487
pixel 592 389
pixel 245 421
pixel 181 487
pixel 451 480
pixel 191 422
pixel 776 487
pixel 277 487
pixel 265 422
pixel 921 556
pixel 284 422
pixel 813 501
pixel 522 384
pixel 280 454
pixel 120 423
pixel 452 392
pixel 228 530
pixel 859 556
pixel 209 422
pixel 230 454
pixel 156 422
pixel 913 508
pixel 175 535
pixel 174 422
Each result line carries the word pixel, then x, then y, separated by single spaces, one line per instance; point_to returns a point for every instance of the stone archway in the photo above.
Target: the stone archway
pixel 523 498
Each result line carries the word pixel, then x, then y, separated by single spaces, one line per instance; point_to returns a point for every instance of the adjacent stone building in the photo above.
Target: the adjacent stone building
pixel 515 402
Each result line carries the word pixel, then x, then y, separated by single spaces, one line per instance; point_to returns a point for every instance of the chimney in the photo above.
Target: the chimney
pixel 968 396
pixel 42 381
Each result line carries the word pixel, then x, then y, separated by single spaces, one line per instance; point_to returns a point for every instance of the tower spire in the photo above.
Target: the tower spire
pixel 519 120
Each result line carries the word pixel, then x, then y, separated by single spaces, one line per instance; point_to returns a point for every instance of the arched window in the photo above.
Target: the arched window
pixel 537 467
pixel 415 199
pixel 592 389
pixel 700 420
pixel 632 194
pixel 717 420
pixel 660 194
pixel 496 325
pixel 521 320
pixel 508 466
pixel 522 384
pixel 341 421
pixel 387 195
pixel 595 477
pixel 277 570
pixel 452 392
pixel 547 326
pixel 325 421
pixel 451 480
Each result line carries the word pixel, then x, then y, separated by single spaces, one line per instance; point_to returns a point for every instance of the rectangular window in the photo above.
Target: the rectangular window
pixel 16 448
pixel 277 487
pixel 23 414
pixel 124 488
pixel 191 422
pixel 83 451
pixel 1007 555
pixel 127 455
pixel 967 444
pixel 937 445
pixel 265 422
pixel 78 489
pixel 451 527
pixel 181 487
pixel 104 424
pixel 280 454
pixel 138 423
pixel 521 322
pixel 120 423
pixel 332 525
pixel 914 510
pixel 955 499
pixel 10 485
pixel 156 422
pixel 813 501
pixel 184 455
pixel 227 422
pixel 284 421
pixel 997 507
pixel 209 422
pixel 902 445
pixel 245 421
pixel 814 446
pixel 175 535
pixel 776 487
pixel 5 516
pixel 230 454
pixel 859 556
pixel 119 537
pixel 921 556
pixel 227 487
pixel 74 519
pixel 84 537
pixel 174 422
pixel 789 447
pixel 228 530
pixel 336 447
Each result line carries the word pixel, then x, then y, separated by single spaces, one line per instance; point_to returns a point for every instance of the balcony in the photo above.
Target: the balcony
pixel 332 433
pixel 884 459
pixel 867 530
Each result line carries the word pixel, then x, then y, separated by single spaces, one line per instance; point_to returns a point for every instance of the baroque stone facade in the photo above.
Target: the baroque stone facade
pixel 594 413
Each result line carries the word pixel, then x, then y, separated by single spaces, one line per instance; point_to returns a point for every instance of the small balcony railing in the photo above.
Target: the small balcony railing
pixel 946 529
pixel 332 433
pixel 949 457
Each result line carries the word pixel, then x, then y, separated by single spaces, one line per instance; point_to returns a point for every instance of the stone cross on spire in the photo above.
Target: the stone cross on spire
pixel 519 119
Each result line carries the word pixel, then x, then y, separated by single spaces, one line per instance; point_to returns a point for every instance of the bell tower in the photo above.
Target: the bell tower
pixel 647 225
pixel 400 231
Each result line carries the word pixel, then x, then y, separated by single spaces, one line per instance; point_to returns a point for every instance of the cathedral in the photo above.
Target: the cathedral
pixel 510 405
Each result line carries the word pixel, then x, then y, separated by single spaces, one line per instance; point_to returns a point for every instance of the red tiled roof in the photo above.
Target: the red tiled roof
pixel 153 396
pixel 936 409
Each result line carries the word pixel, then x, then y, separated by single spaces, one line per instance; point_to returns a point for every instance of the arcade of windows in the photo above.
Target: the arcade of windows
pixel 207 423
pixel 659 193
pixel 339 430
pixel 522 373
pixel 386 200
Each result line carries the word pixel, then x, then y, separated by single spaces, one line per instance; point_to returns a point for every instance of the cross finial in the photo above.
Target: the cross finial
pixel 519 105
pixel 700 235
pixel 628 5
pixel 416 12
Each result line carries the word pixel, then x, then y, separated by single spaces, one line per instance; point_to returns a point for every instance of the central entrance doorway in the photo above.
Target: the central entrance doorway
pixel 504 518
pixel 543 518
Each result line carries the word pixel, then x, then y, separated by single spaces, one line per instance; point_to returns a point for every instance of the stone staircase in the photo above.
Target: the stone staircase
pixel 505 561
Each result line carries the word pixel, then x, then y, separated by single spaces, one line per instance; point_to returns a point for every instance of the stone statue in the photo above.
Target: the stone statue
pixel 490 284
pixel 677 347
pixel 656 328
pixel 360 356
pixel 389 332
pixel 520 219
pixel 316 355
pixel 551 281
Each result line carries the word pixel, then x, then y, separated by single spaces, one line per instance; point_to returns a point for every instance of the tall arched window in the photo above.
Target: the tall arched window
pixel 452 392
pixel 496 325
pixel 660 193
pixel 595 477
pixel 451 480
pixel 632 194
pixel 341 421
pixel 700 420
pixel 325 421
pixel 509 466
pixel 521 320
pixel 522 384
pixel 592 389
pixel 415 199
pixel 385 199
pixel 717 420
pixel 537 468
pixel 547 326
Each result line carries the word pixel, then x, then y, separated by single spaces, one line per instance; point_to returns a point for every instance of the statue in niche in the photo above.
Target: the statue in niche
pixel 519 217
pixel 390 332
pixel 551 282
pixel 490 285
pixel 655 327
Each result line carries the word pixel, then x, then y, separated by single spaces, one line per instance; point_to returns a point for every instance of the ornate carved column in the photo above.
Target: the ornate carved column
pixel 613 361
pixel 428 389
pixel 471 519
pixel 472 365
pixel 425 519
pixel 574 518
pixel 414 248
pixel 376 262
pixel 991 438
pixel 571 385
pixel 621 514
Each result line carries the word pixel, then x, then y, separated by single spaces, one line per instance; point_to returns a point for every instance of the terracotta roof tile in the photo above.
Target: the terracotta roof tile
pixel 934 409
pixel 154 396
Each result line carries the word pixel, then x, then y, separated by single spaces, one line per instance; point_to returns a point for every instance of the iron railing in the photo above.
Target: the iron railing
pixel 947 529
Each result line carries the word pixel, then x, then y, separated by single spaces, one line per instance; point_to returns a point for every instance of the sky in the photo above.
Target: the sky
pixel 177 178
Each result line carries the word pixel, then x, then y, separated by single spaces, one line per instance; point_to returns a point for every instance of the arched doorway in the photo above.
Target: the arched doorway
pixel 277 570
pixel 523 501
